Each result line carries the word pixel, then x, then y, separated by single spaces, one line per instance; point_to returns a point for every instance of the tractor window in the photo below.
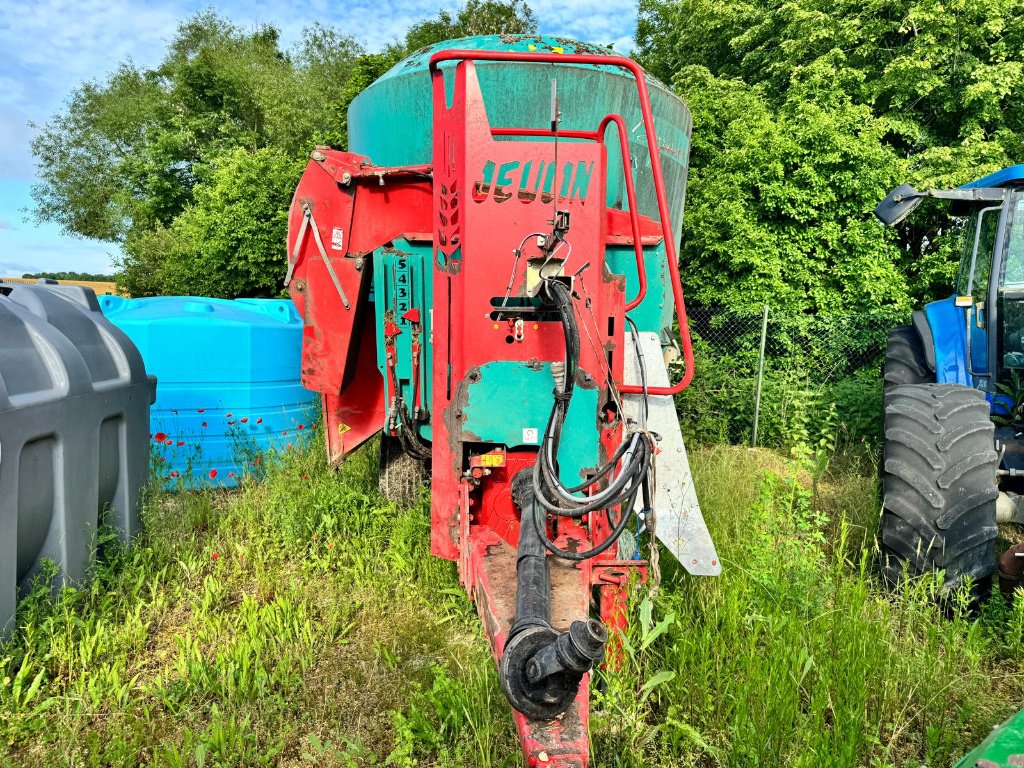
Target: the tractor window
pixel 1011 290
pixel 1013 270
pixel 981 239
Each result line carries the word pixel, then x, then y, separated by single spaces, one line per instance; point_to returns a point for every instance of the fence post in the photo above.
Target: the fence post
pixel 760 373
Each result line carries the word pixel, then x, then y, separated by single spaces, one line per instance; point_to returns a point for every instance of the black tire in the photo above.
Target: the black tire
pixel 401 477
pixel 905 362
pixel 938 485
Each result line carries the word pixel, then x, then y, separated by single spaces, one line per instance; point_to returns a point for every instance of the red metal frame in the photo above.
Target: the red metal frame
pixel 477 523
pixel 357 208
pixel 671 253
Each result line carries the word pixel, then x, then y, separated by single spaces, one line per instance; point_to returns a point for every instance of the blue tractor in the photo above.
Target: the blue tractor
pixel 949 473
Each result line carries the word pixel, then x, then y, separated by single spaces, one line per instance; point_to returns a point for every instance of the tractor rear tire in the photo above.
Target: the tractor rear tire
pixel 401 477
pixel 938 485
pixel 904 358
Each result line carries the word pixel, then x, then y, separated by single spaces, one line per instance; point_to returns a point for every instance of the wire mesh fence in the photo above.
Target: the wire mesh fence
pixel 819 373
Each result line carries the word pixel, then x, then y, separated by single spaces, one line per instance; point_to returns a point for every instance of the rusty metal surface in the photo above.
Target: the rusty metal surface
pixel 563 741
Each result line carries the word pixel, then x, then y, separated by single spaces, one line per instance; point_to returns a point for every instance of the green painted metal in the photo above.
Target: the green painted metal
pixel 390 122
pixel 523 392
pixel 654 313
pixel 1005 743
pixel 403 279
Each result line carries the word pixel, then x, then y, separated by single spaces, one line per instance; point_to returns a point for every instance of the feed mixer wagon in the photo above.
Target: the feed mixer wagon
pixel 489 279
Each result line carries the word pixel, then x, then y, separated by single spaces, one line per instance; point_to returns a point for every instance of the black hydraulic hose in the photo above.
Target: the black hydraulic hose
pixel 613 537
pixel 407 434
pixel 636 453
pixel 560 295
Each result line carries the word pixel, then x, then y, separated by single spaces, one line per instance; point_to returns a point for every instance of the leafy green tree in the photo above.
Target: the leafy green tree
pixel 934 88
pixel 476 17
pixel 123 161
pixel 778 200
pixel 190 166
pixel 230 241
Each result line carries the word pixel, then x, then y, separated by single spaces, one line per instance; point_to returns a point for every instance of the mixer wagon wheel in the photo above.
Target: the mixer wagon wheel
pixel 938 485
pixel 401 477
pixel 904 358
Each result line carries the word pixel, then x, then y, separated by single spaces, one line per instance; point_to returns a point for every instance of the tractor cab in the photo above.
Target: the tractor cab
pixel 949 475
pixel 976 336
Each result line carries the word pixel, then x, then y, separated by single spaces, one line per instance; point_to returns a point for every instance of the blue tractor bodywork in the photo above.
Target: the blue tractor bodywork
pixel 949 340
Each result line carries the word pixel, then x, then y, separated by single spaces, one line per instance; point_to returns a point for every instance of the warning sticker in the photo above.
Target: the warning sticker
pixel 338 239
pixel 343 428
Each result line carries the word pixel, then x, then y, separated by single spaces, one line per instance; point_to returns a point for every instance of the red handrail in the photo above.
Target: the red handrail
pixel 634 213
pixel 671 253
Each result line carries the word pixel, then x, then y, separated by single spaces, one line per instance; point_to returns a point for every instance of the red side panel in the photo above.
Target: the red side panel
pixel 354 212
pixel 357 414
pixel 328 331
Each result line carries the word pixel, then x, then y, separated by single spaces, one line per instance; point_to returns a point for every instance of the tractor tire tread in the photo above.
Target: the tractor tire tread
pixel 904 358
pixel 938 484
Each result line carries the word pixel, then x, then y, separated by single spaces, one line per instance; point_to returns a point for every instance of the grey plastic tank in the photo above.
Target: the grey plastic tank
pixel 74 439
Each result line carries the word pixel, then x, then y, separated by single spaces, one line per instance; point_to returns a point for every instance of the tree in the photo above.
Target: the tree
pixel 190 166
pixel 123 161
pixel 935 88
pixel 778 199
pixel 476 17
pixel 77 276
pixel 230 241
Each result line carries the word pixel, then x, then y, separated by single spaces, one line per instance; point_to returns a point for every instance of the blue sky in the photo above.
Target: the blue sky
pixel 48 47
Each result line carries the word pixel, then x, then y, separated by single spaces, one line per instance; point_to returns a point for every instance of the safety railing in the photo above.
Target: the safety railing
pixel 671 251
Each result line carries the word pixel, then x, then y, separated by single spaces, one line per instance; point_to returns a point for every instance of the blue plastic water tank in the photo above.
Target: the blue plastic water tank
pixel 228 382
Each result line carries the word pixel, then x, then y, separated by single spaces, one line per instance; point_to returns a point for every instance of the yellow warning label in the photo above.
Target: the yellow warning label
pixel 492 460
pixel 343 428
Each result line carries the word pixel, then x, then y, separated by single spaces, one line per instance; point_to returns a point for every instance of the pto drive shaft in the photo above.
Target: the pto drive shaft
pixel 541 669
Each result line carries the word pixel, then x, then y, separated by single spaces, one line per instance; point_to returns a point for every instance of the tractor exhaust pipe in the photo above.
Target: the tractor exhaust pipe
pixel 541 669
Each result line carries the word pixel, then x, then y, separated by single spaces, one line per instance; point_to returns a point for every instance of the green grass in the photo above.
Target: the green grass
pixel 302 621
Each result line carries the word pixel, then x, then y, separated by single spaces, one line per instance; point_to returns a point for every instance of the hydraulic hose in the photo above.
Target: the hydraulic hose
pixel 634 454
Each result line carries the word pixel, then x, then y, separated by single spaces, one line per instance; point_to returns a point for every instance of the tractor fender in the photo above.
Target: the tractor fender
pixel 948 348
